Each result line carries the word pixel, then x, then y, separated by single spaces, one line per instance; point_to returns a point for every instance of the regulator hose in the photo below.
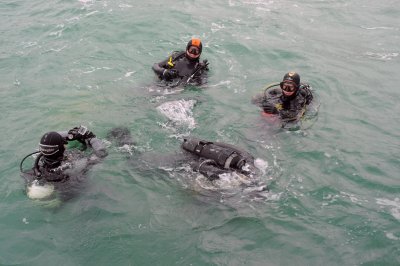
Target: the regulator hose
pixel 22 161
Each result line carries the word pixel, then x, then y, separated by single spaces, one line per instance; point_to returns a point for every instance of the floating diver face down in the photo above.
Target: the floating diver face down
pixel 193 49
pixel 52 147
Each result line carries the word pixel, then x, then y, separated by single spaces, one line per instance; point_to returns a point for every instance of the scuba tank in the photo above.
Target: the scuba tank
pixel 218 158
pixel 224 157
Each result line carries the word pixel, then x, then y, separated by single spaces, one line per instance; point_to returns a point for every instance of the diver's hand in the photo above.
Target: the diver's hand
pixel 80 133
pixel 170 74
pixel 88 135
pixel 205 64
pixel 269 108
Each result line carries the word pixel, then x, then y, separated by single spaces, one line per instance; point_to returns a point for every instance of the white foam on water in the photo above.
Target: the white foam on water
pixel 36 191
pixel 261 165
pixel 382 56
pixel 128 74
pixel 231 180
pixel 393 204
pixel 127 148
pixel 379 28
pixel 392 236
pixel 179 112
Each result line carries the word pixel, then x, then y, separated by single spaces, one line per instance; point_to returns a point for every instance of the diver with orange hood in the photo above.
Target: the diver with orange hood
pixel 183 67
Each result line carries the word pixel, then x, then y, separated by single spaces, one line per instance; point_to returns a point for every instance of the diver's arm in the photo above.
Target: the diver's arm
pixel 258 99
pixel 159 68
pixel 86 137
pixel 63 134
pixel 98 147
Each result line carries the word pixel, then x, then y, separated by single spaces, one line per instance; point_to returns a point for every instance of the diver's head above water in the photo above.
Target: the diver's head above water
pixel 193 49
pixel 52 148
pixel 290 83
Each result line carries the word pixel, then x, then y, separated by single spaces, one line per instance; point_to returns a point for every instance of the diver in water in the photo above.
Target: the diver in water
pixel 183 67
pixel 289 101
pixel 55 164
pixel 215 158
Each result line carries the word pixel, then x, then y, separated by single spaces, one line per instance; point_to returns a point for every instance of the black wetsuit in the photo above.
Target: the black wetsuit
pixel 73 162
pixel 184 66
pixel 289 108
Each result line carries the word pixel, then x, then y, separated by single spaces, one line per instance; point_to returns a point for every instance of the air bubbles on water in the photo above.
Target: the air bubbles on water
pixel 392 236
pixel 394 206
pixel 40 191
pixel 126 149
pixel 179 112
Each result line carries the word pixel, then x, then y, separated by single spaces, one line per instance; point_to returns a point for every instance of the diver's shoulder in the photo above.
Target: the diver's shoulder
pixel 177 54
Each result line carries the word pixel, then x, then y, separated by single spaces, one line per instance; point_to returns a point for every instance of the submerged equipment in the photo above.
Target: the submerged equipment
pixel 218 157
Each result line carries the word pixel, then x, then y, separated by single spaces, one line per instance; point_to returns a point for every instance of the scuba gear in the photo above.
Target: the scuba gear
pixel 169 74
pixel 186 64
pixel 292 76
pixel 52 146
pixel 208 168
pixel 49 161
pixel 218 157
pixel 201 66
pixel 58 172
pixel 306 91
pixel 194 50
pixel 51 170
pixel 266 89
pixel 290 101
pixel 196 43
pixel 170 63
pixel 80 133
pixel 288 86
pixel 22 161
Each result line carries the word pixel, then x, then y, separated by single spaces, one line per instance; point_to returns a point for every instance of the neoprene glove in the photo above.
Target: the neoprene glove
pixel 80 133
pixel 269 108
pixel 170 74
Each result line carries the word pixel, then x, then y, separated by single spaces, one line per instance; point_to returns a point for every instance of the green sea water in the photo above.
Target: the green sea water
pixel 334 194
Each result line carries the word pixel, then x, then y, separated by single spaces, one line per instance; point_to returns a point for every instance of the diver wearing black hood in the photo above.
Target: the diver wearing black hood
pixel 183 66
pixel 53 162
pixel 289 101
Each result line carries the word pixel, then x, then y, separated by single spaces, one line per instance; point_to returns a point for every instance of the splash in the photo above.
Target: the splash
pixel 38 191
pixel 179 112
pixel 393 204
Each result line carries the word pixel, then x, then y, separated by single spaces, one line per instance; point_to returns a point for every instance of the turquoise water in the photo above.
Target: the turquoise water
pixel 334 187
